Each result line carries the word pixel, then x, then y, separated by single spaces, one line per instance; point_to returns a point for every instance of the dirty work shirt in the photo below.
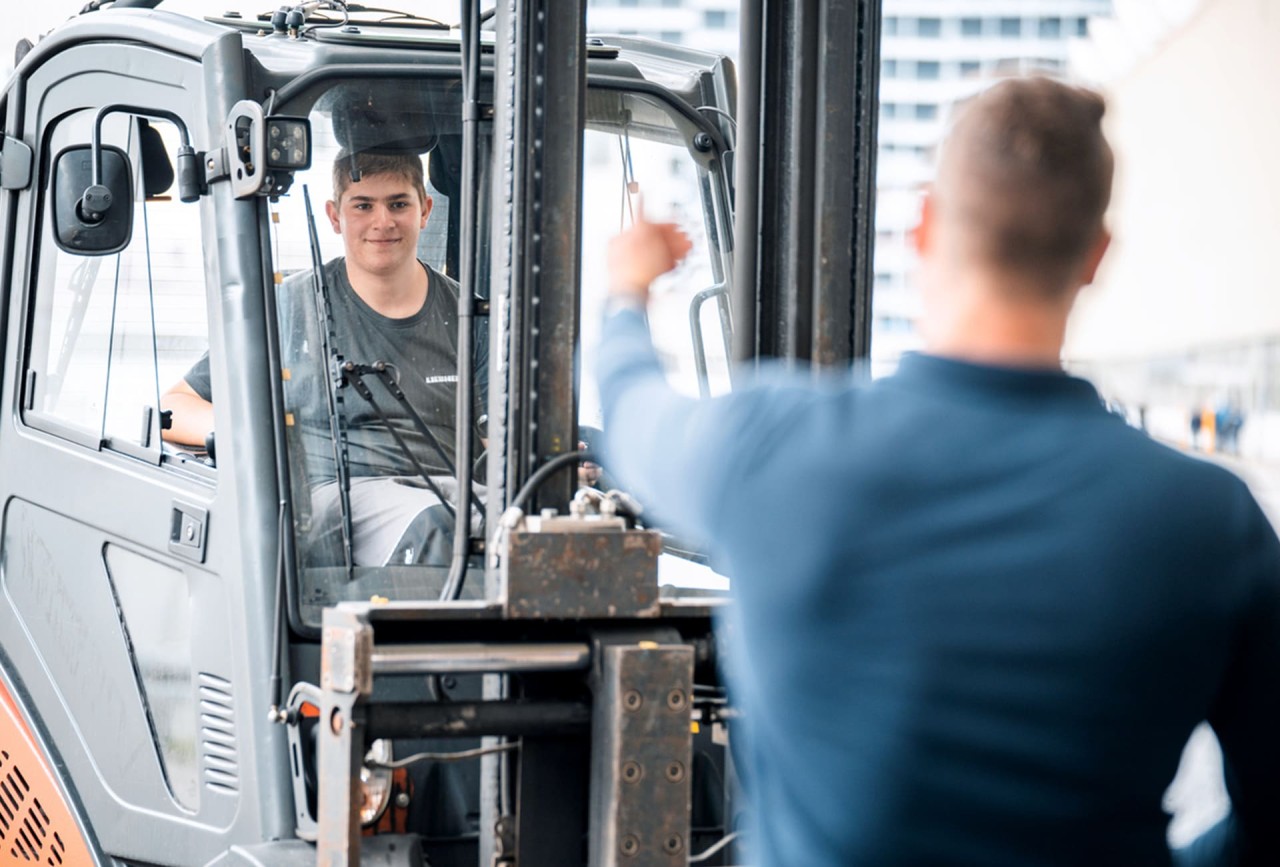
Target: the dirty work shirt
pixel 423 348
pixel 976 616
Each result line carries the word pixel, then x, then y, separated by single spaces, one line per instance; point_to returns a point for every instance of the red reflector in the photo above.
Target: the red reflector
pixel 36 825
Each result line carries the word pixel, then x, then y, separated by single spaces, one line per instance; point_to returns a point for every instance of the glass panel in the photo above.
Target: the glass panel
pixel 107 330
pixel 397 520
pixel 672 186
pixel 383 191
pixel 155 613
pixel 689 308
pixel 161 322
pixel 74 301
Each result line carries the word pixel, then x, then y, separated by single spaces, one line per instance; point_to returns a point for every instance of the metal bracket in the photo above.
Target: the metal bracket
pixel 641 757
pixel 577 575
pixel 215 165
pixel 302 693
pixel 245 148
pixel 346 680
pixel 15 164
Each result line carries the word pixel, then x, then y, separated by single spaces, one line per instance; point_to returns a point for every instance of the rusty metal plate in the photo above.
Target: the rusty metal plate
pixel 345 664
pixel 582 575
pixel 641 757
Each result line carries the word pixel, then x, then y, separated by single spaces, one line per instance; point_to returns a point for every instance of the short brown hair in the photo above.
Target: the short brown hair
pixel 1026 173
pixel 402 165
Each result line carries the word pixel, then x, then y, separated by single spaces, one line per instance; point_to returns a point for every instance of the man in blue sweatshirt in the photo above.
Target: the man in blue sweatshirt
pixel 982 628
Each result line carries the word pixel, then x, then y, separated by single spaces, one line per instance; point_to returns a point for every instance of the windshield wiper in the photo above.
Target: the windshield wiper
pixel 333 392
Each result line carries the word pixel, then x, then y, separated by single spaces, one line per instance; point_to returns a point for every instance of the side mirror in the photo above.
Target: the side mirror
pixel 107 225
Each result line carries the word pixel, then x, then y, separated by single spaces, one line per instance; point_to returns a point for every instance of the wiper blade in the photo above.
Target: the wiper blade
pixel 333 393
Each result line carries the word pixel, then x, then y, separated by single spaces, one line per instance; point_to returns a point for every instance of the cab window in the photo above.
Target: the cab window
pixel 108 332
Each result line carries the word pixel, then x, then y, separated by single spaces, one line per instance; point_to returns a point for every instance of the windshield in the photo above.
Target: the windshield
pixel 366 247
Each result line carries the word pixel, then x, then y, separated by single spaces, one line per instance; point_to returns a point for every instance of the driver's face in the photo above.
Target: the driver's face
pixel 379 218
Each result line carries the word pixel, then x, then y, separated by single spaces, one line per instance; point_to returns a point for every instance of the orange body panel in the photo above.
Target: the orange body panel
pixel 36 826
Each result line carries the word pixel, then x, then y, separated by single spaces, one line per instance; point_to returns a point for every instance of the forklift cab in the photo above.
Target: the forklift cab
pixel 172 630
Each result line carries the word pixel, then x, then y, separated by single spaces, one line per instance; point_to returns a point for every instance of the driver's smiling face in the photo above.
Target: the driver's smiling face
pixel 380 217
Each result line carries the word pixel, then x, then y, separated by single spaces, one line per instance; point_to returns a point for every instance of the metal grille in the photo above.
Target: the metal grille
pixel 26 832
pixel 221 768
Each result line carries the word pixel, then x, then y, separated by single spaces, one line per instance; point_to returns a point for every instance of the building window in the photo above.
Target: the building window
pixel 970 26
pixel 929 28
pixel 1050 28
pixel 673 36
pixel 892 324
pixel 970 68
pixel 889 109
pixel 926 111
pixel 715 18
pixel 928 70
pixel 1042 64
pixel 671 4
pixel 888 69
pixel 891 25
pixel 1082 27
pixel 1010 28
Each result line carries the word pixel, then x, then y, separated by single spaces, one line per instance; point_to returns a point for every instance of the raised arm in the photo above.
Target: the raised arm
pixel 687 459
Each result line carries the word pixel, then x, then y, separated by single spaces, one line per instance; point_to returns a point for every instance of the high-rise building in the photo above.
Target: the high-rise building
pixel 933 53
pixel 708 25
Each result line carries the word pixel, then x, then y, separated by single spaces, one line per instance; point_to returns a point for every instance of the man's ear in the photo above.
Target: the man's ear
pixel 427 204
pixel 331 210
pixel 922 236
pixel 1094 258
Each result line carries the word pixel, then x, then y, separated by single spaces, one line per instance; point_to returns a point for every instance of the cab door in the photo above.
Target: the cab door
pixel 116 618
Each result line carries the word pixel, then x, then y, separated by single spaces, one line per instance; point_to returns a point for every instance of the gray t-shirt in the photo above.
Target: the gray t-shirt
pixel 422 349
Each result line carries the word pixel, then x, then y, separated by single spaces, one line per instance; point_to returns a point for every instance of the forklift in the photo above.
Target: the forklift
pixel 187 676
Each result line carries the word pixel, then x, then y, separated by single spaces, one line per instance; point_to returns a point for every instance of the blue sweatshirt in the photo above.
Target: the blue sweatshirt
pixel 977 616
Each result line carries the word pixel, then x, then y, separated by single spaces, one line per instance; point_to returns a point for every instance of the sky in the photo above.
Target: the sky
pixel 32 19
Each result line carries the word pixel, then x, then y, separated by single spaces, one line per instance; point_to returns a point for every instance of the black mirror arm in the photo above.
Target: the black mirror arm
pixel 96 200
